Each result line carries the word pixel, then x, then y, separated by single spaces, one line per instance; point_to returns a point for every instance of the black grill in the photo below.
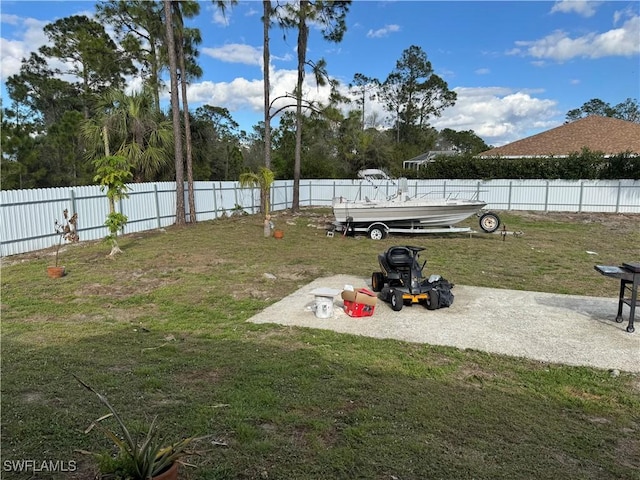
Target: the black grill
pixel 629 275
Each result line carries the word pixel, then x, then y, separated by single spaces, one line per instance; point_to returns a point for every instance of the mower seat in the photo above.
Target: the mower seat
pixel 400 258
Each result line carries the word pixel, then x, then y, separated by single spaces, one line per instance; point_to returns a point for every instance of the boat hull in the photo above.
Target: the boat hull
pixel 432 213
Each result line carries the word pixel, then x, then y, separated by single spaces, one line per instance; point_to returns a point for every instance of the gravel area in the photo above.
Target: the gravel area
pixel 566 329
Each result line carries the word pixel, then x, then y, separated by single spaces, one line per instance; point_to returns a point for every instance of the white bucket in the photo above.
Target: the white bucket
pixel 324 307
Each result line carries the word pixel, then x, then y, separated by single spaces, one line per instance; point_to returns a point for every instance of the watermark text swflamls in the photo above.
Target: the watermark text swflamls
pixel 37 466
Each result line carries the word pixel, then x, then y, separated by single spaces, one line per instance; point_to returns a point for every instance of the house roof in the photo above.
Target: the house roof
pixel 610 136
pixel 427 157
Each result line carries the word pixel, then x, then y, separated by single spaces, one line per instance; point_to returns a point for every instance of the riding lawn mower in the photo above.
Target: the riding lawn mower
pixel 401 280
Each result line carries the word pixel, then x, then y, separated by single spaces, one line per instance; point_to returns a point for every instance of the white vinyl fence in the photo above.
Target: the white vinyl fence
pixel 28 216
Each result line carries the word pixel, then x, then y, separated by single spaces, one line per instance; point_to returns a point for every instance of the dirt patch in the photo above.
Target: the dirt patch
pixel 581 394
pixel 131 283
pixel 208 376
pixel 101 290
pixel 85 470
pixel 272 284
pixel 627 451
pixel 474 375
pixel 619 222
pixel 31 397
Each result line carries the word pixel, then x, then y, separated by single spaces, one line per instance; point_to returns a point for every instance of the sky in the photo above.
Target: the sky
pixel 517 67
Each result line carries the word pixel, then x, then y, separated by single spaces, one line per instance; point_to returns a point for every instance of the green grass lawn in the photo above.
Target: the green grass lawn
pixel 162 331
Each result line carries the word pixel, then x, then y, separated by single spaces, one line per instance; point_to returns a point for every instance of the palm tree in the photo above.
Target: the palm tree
pixel 129 126
pixel 263 179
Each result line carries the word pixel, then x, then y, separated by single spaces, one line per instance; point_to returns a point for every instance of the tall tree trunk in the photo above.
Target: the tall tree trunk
pixel 187 123
pixel 266 60
pixel 175 111
pixel 107 153
pixel 155 82
pixel 303 36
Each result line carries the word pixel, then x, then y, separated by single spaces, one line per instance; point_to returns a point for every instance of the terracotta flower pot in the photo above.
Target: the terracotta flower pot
pixel 171 474
pixel 55 272
pixel 279 234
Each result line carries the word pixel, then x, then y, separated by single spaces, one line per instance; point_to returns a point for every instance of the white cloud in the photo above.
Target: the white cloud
pixel 620 15
pixel 12 54
pixel 221 18
pixel 9 19
pixel 383 32
pixel 236 53
pixel 559 46
pixel 238 94
pixel 498 115
pixel 482 71
pixel 29 37
pixel 134 84
pixel 242 94
pixel 585 8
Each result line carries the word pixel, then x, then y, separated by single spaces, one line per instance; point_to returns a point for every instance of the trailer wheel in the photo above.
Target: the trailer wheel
pixel 396 300
pixel 377 232
pixel 433 300
pixel 377 281
pixel 489 222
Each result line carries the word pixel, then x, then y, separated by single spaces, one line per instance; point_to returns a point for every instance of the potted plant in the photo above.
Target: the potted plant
pixel 66 231
pixel 142 457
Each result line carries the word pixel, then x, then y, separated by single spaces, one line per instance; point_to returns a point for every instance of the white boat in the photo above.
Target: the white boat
pixel 435 213
pixel 401 211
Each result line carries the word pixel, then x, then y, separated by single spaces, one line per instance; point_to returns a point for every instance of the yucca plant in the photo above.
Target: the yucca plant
pixel 138 458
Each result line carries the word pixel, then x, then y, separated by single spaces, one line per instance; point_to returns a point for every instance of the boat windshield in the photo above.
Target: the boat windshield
pixel 373 174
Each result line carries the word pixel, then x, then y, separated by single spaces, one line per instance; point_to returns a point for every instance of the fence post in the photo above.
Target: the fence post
pixel 509 196
pixel 546 196
pixel 157 200
pixel 119 206
pixel 215 202
pixel 272 197
pixel 235 197
pixel 581 195
pixel 72 196
pixel 618 196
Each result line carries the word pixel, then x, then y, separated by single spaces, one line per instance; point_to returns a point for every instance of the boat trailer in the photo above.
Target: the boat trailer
pixel 489 223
